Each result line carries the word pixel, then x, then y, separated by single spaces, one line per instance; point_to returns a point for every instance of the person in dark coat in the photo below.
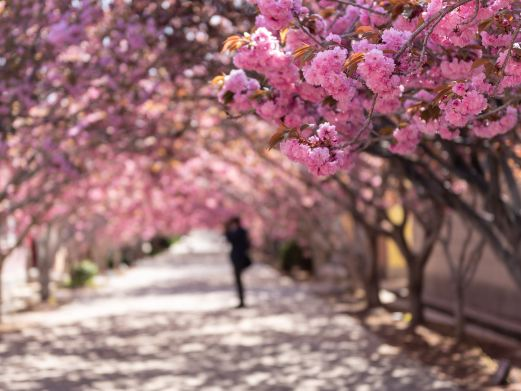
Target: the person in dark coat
pixel 238 238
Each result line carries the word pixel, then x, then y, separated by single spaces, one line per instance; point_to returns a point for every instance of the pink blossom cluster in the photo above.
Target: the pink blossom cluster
pixel 456 69
pixel 297 114
pixel 467 103
pixel 275 108
pixel 436 126
pixel 489 129
pixel 377 72
pixel 319 152
pixel 264 55
pixel 495 41
pixel 258 54
pixel 327 3
pixel 459 27
pixel 277 14
pixel 407 138
pixel 512 70
pixel 238 88
pixel 346 21
pixel 329 68
pixel 295 39
pixel 393 39
pixel 325 70
pixel 373 18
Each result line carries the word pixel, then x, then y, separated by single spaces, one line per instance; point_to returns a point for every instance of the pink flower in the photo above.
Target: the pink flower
pixel 377 72
pixel 460 110
pixel 327 133
pixel 498 5
pixel 433 8
pixel 327 3
pixel 387 104
pixel 311 93
pixel 495 41
pixel 278 13
pixel 490 129
pixel 407 139
pixel 238 88
pixel 324 64
pixel 512 76
pixel 363 46
pixel 298 114
pixel 480 84
pixel 394 39
pixel 456 69
pixel 319 153
pixel 296 39
pixel 435 126
pixel 459 27
pixel 265 56
pixel 405 24
pixel 334 38
pixel 325 70
pixel 373 19
pixel 346 20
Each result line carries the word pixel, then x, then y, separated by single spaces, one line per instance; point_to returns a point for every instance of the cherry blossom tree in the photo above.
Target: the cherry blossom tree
pixel 433 87
pixel 111 134
pixel 86 81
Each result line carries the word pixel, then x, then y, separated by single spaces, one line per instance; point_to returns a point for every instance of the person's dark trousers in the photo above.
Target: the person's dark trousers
pixel 238 283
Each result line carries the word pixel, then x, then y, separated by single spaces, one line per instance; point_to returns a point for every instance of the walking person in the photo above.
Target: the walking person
pixel 238 238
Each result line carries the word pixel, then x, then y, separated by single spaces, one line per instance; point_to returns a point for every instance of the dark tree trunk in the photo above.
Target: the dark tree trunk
pixel 372 281
pixel 459 316
pixel 44 270
pixel 373 292
pixel 416 294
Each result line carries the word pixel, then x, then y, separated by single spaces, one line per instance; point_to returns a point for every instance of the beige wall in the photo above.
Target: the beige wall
pixel 492 297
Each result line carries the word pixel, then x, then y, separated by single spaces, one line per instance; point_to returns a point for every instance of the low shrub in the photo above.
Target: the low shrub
pixel 83 273
pixel 292 256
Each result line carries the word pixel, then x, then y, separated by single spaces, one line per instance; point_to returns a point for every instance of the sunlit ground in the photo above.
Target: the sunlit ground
pixel 168 324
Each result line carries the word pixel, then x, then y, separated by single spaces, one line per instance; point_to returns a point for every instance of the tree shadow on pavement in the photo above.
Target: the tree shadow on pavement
pixel 287 340
pixel 464 362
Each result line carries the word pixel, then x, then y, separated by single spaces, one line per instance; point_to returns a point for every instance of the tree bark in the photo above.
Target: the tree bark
pixel 459 316
pixel 415 273
pixel 44 278
pixel 372 281
pixel 44 267
pixel 416 283
pixel 117 260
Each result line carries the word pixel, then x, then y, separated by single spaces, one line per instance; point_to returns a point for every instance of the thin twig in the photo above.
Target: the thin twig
pixel 474 16
pixel 424 44
pixel 497 109
pixel 505 62
pixel 367 121
pixel 368 9
pixel 426 24
pixel 306 31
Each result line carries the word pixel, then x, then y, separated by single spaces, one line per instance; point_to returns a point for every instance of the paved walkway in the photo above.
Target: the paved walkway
pixel 168 325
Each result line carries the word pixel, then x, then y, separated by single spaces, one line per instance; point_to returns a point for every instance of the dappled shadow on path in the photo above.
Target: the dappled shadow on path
pixel 286 340
pixel 435 347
